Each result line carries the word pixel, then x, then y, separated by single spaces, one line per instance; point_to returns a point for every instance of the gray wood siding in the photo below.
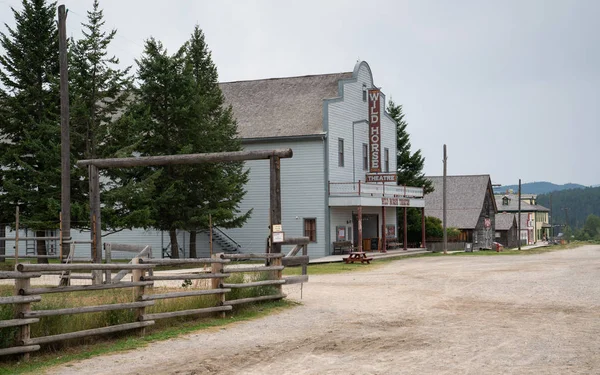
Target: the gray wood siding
pixel 303 190
pixel 348 119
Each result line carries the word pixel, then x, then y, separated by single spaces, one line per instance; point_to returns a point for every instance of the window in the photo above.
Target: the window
pixel 386 159
pixel 364 92
pixel 310 229
pixel 365 157
pixel 340 152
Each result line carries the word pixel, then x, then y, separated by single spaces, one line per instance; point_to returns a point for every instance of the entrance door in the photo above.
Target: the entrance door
pixel 370 224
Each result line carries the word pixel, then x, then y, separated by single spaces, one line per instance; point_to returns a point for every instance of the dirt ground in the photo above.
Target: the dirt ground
pixel 535 314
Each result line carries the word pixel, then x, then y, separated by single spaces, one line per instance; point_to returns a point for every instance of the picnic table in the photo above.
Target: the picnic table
pixel 358 256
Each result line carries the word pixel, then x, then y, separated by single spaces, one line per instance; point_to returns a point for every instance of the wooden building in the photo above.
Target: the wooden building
pixel 506 230
pixel 471 207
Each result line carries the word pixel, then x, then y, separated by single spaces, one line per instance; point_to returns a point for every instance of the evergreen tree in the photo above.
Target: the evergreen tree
pixel 98 92
pixel 30 121
pixel 410 172
pixel 179 109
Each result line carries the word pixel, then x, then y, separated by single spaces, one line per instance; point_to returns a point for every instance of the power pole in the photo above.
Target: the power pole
pixel 566 223
pixel 444 203
pixel 65 142
pixel 551 226
pixel 519 214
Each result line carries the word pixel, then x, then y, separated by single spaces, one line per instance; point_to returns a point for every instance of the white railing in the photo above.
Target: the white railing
pixel 373 190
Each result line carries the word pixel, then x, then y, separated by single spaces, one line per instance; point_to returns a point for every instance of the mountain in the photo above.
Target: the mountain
pixel 574 204
pixel 541 187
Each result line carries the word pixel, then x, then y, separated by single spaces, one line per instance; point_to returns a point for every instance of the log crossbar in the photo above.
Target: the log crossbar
pixel 253 284
pixel 167 261
pixel 252 269
pixel 19 350
pixel 192 293
pixel 252 256
pixel 184 276
pixel 174 314
pixel 18 275
pixel 217 157
pixel 17 322
pixel 19 299
pixel 86 309
pixel 87 332
pixel 23 267
pixel 254 299
pixel 80 288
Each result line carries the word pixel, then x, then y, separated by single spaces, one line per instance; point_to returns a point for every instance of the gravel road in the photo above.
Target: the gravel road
pixel 534 314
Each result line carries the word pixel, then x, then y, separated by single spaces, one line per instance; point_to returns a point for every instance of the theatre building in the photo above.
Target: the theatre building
pixel 340 184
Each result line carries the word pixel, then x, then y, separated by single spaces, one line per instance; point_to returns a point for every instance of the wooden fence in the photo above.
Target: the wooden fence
pixel 26 295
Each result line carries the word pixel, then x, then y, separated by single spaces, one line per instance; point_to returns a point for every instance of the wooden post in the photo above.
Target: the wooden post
pixel 108 255
pixel 278 275
pixel 383 231
pixel 360 231
pixel 405 228
pixel 17 235
pixel 423 234
pixel 24 331
pixel 60 238
pixel 65 141
pixel 275 196
pixel 96 232
pixel 215 283
pixel 210 236
pixel 444 205
pixel 138 293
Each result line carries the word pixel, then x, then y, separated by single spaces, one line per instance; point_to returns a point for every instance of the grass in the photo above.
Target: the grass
pixel 105 346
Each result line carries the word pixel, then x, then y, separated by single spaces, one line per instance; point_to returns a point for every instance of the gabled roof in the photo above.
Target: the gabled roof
pixel 513 204
pixel 465 194
pixel 281 107
pixel 505 221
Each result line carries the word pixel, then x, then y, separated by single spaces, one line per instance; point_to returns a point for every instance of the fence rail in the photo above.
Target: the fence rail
pixel 219 269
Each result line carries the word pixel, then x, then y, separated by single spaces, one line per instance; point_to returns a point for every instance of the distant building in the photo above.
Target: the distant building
pixel 471 207
pixel 506 230
pixel 534 218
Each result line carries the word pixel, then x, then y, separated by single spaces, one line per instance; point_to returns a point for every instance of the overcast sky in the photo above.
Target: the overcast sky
pixel 511 87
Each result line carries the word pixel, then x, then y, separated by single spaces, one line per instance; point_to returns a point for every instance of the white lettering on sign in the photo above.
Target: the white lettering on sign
pixel 389 177
pixel 374 131
pixel 397 202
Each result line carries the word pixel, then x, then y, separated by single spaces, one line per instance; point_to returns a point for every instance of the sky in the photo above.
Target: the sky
pixel 511 87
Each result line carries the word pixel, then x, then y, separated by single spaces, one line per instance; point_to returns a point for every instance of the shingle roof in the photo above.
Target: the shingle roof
pixel 281 107
pixel 505 221
pixel 465 196
pixel 513 204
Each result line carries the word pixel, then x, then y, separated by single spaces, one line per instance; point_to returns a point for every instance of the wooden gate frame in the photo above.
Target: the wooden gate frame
pixel 94 165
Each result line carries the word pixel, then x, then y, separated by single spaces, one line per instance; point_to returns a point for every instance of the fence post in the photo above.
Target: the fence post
pixel 108 257
pixel 24 331
pixel 278 274
pixel 138 293
pixel 215 283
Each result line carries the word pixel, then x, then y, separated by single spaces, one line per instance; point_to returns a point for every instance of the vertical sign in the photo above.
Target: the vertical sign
pixel 374 131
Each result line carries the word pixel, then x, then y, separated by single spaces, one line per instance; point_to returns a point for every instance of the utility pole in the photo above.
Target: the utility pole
pixel 444 203
pixel 519 214
pixel 551 226
pixel 65 142
pixel 567 224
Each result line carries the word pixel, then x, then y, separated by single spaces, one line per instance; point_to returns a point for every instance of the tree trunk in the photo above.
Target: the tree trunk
pixel 41 246
pixel 193 244
pixel 174 244
pixel 2 243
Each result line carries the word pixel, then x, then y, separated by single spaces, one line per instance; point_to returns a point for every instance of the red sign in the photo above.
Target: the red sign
pixel 384 177
pixel 487 223
pixel 374 131
pixel 397 202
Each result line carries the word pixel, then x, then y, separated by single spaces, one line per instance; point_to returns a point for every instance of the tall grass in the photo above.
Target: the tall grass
pixel 53 325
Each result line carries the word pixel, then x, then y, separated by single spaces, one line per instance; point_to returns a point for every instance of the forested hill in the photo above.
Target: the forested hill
pixel 578 202
pixel 541 187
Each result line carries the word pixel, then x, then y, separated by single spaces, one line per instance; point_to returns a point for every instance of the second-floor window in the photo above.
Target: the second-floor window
pixel 365 157
pixel 386 159
pixel 340 152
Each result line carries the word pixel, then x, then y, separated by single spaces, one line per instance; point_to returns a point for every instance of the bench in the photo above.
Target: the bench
pixel 342 247
pixel 392 244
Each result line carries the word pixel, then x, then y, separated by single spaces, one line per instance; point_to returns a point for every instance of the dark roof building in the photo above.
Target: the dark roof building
pixel 471 206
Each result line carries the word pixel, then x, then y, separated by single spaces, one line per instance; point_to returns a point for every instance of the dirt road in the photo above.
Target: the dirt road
pixel 535 314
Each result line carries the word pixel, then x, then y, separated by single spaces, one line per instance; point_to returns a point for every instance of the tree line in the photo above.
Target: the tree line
pixel 172 104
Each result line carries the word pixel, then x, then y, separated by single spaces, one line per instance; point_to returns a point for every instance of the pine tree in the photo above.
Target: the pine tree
pixel 99 91
pixel 180 109
pixel 30 122
pixel 410 172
